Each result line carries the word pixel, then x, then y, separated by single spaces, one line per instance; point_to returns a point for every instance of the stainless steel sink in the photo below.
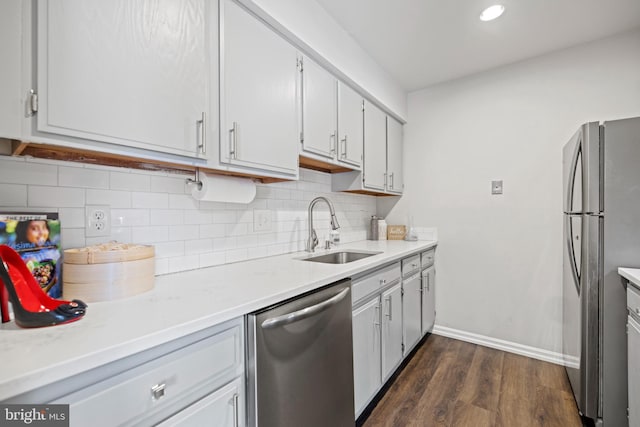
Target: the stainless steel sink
pixel 342 257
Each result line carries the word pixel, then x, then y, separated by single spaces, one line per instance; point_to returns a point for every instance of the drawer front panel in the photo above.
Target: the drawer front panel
pixel 138 393
pixel 410 265
pixel 428 258
pixel 373 282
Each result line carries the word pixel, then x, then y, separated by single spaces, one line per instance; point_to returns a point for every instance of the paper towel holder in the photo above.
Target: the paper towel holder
pixel 197 181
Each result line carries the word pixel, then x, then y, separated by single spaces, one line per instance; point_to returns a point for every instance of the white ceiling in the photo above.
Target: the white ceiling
pixel 423 42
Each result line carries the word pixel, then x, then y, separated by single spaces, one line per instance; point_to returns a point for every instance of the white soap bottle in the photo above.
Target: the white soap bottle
pixel 382 229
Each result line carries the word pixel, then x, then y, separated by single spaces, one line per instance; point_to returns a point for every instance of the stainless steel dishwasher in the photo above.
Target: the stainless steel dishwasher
pixel 300 361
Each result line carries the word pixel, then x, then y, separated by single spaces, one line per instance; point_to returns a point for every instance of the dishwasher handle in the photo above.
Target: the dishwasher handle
pixel 305 313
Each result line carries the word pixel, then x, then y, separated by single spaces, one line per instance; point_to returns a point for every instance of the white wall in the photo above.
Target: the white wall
pixel 499 257
pixel 157 208
pixel 316 28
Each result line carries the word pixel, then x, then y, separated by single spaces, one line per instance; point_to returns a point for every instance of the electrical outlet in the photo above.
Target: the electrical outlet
pixel 261 220
pixel 98 221
pixel 496 187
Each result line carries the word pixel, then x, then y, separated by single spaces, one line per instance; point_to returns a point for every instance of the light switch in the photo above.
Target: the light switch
pixel 496 187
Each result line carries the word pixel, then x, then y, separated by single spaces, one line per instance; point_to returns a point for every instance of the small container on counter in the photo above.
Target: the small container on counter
pixel 373 231
pixel 382 229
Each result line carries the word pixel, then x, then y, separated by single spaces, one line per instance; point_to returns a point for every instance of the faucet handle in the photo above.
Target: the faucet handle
pixel 314 239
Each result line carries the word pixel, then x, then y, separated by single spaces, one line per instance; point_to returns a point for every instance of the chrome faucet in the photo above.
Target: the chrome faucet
pixel 312 242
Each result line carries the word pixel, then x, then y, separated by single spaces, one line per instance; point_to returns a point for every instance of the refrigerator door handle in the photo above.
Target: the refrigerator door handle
pixel 570 248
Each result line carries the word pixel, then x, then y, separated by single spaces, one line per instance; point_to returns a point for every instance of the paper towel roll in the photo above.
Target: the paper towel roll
pixel 220 188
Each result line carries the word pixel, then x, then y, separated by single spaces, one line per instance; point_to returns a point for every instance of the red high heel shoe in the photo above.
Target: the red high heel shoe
pixel 31 306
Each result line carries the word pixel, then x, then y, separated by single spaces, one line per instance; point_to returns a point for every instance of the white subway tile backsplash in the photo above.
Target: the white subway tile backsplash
pixel 50 197
pixel 182 201
pixel 149 200
pixel 13 195
pixel 151 234
pixel 115 199
pixel 156 208
pixel 72 218
pixel 129 217
pixel 198 246
pixel 167 217
pixel 184 232
pixel 15 170
pixel 82 177
pixel 211 230
pixel 169 184
pixel 129 181
pixel 72 237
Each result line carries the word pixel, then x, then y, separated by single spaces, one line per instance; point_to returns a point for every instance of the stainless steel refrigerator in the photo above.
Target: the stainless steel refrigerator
pixel 601 173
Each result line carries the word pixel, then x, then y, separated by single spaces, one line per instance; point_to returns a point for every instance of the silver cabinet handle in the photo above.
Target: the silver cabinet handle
pixel 305 313
pixel 235 410
pixel 234 141
pixel 202 124
pixel 383 282
pixel 343 155
pixel 391 180
pixel 390 301
pixel 376 321
pixel 157 391
pixel 332 142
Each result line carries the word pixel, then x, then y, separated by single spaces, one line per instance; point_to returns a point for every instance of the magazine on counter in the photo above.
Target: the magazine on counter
pixel 36 237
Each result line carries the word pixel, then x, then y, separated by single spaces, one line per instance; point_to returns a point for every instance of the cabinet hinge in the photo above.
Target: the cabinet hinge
pixel 363 105
pixel 402 347
pixel 301 136
pixel 299 64
pixel 402 292
pixel 33 102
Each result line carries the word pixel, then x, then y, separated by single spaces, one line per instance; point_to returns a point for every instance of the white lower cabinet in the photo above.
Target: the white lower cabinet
pixel 195 380
pixel 366 353
pixel 633 359
pixel 412 305
pixel 391 330
pixel 221 408
pixel 428 299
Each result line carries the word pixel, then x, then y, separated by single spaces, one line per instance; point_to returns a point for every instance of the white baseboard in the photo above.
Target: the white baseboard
pixel 508 346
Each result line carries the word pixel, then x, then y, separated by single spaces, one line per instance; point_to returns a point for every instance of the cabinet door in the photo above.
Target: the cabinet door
pixel 223 408
pixel 350 125
pixel 258 94
pixel 129 73
pixel 366 353
pixel 391 330
pixel 319 110
pixel 411 304
pixel 634 374
pixel 394 156
pixel 375 147
pixel 428 299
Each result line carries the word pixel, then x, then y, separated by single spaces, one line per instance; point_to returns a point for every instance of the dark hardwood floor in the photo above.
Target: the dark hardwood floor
pixel 453 383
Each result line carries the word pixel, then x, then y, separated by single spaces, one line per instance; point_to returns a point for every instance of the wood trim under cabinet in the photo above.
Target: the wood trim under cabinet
pixel 53 152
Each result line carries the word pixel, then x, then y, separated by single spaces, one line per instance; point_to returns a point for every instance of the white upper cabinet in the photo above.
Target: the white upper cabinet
pixel 319 110
pixel 394 156
pixel 375 147
pixel 350 125
pixel 332 118
pixel 133 73
pixel 258 114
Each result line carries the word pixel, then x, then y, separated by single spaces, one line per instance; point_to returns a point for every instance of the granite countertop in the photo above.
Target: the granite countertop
pixel 631 274
pixel 180 304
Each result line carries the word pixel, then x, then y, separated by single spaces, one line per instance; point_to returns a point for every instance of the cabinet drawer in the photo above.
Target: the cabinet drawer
pixel 163 385
pixel 410 265
pixel 374 281
pixel 633 299
pixel 427 258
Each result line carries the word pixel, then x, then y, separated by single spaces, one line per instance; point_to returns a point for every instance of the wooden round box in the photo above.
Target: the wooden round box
pixel 107 271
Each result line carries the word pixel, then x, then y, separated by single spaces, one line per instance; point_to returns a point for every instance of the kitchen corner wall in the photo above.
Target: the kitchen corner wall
pixel 499 258
pixel 157 208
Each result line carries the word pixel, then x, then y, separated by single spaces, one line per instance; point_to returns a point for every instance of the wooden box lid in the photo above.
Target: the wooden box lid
pixel 108 253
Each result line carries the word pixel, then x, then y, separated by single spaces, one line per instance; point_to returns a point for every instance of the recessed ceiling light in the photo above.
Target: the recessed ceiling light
pixel 492 12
